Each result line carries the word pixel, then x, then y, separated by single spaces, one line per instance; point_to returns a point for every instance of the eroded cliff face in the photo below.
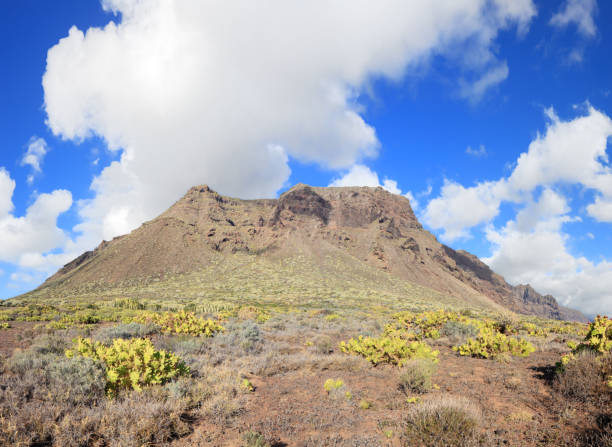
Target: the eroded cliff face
pixel 369 225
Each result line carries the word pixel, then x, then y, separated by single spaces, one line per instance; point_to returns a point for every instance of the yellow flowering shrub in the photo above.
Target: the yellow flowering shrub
pixel 181 323
pixel 385 349
pixel 428 323
pixel 490 344
pixel 131 363
pixel 597 339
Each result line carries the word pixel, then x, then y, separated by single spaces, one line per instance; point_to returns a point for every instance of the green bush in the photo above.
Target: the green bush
pixel 254 439
pixel 491 344
pixel 415 376
pixel 388 349
pixel 597 340
pixel 182 322
pixel 131 363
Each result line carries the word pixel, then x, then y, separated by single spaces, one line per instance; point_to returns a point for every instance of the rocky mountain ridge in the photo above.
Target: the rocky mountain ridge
pixel 366 226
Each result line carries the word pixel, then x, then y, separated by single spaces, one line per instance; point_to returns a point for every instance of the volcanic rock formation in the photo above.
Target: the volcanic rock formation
pixel 369 226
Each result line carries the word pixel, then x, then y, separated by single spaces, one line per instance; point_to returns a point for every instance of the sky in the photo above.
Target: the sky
pixel 493 117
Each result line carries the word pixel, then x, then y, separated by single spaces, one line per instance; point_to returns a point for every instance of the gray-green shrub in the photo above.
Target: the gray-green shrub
pixel 130 330
pixel 458 332
pixel 416 376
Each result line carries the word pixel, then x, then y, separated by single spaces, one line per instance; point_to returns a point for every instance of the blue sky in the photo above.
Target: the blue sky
pixel 103 126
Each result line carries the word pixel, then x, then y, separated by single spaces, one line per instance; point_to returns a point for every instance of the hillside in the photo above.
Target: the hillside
pixel 311 244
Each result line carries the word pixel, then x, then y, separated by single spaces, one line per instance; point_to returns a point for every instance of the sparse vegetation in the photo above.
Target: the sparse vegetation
pixel 389 358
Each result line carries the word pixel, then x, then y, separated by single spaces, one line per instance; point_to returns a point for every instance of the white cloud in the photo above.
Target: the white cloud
pixel 571 152
pixel 34 234
pixel 360 175
pixel 475 90
pixel 458 208
pixel 224 93
pixel 480 152
pixel 414 203
pixel 22 277
pixel 37 149
pixel 578 12
pixel 601 209
pixel 7 186
pixel 532 247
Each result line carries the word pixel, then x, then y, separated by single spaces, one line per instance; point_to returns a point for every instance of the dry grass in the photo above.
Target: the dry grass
pixel 443 421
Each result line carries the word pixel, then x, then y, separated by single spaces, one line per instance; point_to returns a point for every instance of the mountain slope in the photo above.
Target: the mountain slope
pixel 303 246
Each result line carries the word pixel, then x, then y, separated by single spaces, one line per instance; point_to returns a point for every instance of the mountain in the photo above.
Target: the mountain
pixel 311 243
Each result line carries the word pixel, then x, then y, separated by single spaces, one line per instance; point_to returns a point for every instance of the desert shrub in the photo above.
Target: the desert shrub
pixel 458 332
pixel 50 344
pixel 324 345
pixel 219 393
pixel 22 362
pixel 506 324
pixel 584 377
pixel 76 380
pixel 336 389
pixel 5 325
pixel 599 336
pixel 253 313
pixel 491 344
pixel 183 345
pixel 131 363
pixel 534 330
pixel 131 420
pixel 239 338
pixel 254 439
pixel 442 422
pixel 130 330
pixel 181 323
pixel 249 336
pixel 415 376
pixel 128 303
pixel 426 324
pixel 388 349
pixel 57 377
pixel 597 340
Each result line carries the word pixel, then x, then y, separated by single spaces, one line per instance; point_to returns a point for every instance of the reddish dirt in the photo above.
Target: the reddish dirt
pixel 515 398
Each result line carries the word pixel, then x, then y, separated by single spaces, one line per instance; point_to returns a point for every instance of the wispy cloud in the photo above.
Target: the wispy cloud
pixel 580 13
pixel 35 153
pixel 481 151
